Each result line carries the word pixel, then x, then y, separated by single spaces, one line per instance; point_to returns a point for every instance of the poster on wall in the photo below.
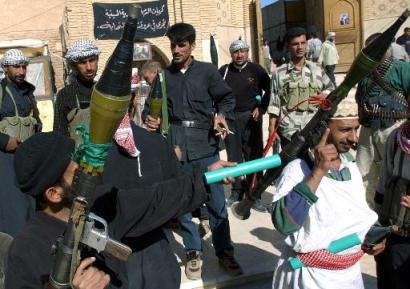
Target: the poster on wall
pixel 344 18
pixel 109 19
pixel 142 51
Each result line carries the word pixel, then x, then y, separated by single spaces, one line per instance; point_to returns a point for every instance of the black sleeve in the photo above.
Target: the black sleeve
pixel 36 115
pixel 265 85
pixel 134 212
pixel 221 92
pixel 222 70
pixel 4 139
pixel 20 269
pixel 60 118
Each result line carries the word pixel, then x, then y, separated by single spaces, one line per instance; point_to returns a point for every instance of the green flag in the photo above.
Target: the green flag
pixel 214 52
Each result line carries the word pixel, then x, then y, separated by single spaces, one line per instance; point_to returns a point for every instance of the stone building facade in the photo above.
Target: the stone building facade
pixel 352 20
pixel 60 22
pixel 379 14
pixel 39 19
pixel 226 19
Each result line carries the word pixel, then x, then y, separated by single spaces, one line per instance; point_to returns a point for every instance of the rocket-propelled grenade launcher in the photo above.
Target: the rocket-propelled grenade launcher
pixel 367 60
pixel 109 103
pixel 111 95
pixel 155 98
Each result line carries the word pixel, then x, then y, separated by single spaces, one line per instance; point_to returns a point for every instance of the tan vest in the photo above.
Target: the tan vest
pixel 75 117
pixel 17 126
pixel 297 91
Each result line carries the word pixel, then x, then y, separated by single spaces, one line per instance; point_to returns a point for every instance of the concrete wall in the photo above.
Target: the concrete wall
pixel 315 15
pixel 377 15
pixel 39 19
pixel 277 18
pixel 274 25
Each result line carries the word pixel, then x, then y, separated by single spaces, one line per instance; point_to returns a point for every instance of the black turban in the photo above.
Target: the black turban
pixel 41 160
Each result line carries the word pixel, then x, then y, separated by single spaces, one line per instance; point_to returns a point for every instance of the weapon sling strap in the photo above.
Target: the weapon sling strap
pixel 226 72
pixel 383 69
pixel 2 88
pixel 164 106
pixel 377 78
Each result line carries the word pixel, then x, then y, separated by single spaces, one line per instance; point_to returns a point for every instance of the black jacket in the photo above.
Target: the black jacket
pixel 246 84
pixel 195 95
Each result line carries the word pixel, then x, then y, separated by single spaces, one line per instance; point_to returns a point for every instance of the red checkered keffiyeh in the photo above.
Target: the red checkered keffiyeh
pixel 330 261
pixel 403 136
pixel 125 138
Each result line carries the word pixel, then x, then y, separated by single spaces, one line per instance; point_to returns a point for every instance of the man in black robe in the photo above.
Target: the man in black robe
pixel 47 175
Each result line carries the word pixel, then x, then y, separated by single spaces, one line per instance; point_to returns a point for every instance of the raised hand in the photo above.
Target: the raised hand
pixel 326 155
pixel 326 158
pixel 221 126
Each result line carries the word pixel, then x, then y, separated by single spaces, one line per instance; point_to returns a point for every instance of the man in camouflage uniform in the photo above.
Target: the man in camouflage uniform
pixel 381 97
pixel 292 84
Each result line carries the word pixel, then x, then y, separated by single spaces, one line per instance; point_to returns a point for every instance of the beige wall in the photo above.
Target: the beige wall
pixel 227 19
pixel 377 15
pixel 38 19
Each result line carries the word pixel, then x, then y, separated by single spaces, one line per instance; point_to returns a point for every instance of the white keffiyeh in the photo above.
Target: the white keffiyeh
pixel 238 44
pixel 81 49
pixel 14 57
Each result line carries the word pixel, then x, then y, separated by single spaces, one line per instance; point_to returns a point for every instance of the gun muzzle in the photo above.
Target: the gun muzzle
pixel 112 93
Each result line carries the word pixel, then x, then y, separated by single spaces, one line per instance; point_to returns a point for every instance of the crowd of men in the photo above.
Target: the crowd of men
pixel 320 197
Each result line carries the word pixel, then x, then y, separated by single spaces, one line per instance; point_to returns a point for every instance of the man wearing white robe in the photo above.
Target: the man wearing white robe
pixel 322 200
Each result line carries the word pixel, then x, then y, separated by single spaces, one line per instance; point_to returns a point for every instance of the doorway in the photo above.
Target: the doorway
pixel 343 17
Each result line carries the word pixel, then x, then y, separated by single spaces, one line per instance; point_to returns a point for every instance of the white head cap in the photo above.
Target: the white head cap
pixel 347 109
pixel 238 44
pixel 81 49
pixel 14 57
pixel 331 34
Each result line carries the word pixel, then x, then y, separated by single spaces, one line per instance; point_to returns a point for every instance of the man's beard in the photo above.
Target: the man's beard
pixel 18 79
pixel 68 195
